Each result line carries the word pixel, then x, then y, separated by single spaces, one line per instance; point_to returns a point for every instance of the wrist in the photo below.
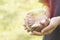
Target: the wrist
pixel 57 20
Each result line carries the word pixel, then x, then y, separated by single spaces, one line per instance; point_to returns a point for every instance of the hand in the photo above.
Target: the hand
pixel 54 22
pixel 43 20
pixel 52 26
pixel 29 20
pixel 26 25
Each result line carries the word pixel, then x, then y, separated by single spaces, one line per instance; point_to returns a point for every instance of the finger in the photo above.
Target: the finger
pixel 46 29
pixel 36 33
pixel 25 27
pixel 52 25
pixel 49 32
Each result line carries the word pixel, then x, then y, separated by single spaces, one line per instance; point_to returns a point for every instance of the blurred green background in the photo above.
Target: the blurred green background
pixel 12 14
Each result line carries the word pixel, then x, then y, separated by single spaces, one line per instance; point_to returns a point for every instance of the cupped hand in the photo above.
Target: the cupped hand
pixel 54 22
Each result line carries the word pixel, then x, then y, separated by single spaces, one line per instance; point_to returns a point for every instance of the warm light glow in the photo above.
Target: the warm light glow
pixel 12 14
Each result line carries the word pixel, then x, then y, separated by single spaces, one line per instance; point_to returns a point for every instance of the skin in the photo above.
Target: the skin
pixel 51 27
pixel 48 29
pixel 33 20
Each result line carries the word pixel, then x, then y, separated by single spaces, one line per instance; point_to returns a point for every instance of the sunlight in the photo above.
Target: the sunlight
pixel 12 14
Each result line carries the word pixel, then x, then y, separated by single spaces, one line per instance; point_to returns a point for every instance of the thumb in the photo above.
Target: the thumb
pixel 36 33
pixel 46 29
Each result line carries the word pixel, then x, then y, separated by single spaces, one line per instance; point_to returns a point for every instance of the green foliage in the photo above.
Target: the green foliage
pixel 12 14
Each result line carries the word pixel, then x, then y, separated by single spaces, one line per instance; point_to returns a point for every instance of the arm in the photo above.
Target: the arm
pixel 55 21
pixel 58 19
